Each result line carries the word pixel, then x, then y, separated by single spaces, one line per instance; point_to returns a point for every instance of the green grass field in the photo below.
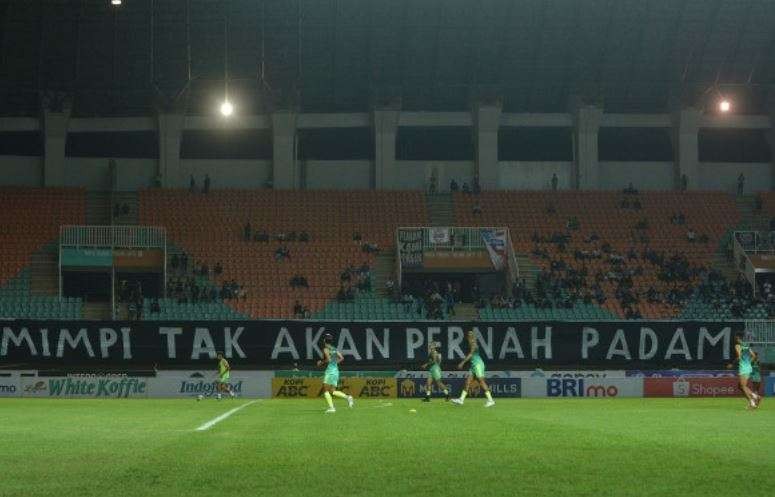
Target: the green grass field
pixel 557 447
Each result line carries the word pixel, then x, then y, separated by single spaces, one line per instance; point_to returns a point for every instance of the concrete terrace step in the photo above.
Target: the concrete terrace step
pixel 98 208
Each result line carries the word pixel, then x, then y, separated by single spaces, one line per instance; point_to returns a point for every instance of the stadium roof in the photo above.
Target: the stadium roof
pixel 342 55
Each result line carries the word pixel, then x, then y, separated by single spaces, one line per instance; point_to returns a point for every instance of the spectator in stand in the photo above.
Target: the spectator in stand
pixel 282 253
pixel 218 269
pixel 192 184
pixel 357 236
pixel 630 190
pixel 206 186
pixel 155 308
pixel 477 209
pixel 390 286
pixel 466 188
pixel 740 184
pixel 303 236
pixel 691 236
pixel 758 203
pixel 684 182
pixel 298 310
pixel 247 232
pixel 475 187
pixel 453 186
pixel 555 180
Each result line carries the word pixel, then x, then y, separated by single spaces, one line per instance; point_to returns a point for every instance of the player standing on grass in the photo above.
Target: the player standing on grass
pixel 434 373
pixel 744 355
pixel 475 373
pixel 332 358
pixel 224 372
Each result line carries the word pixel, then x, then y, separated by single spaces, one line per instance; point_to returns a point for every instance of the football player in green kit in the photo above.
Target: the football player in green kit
pixel 476 373
pixel 434 372
pixel 331 359
pixel 744 355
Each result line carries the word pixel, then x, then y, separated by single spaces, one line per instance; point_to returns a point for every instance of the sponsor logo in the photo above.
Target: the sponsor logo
pixel 294 388
pixel 681 388
pixel 201 387
pixel 500 387
pixel 579 387
pixel 37 387
pixel 691 387
pixel 371 387
pixel 126 387
pixel 6 389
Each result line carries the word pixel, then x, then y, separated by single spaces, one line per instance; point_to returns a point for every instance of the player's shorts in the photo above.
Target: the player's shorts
pixel 477 369
pixel 744 370
pixel 331 378
pixel 224 378
pixel 756 377
pixel 435 372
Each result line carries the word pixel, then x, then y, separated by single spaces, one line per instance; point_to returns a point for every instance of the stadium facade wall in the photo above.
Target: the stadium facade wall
pixel 93 173
pixel 16 170
pixel 415 174
pixel 233 173
pixel 723 175
pixel 647 175
pixel 337 175
pixel 528 175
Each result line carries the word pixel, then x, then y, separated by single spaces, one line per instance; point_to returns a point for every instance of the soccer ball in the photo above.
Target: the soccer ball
pixel 200 397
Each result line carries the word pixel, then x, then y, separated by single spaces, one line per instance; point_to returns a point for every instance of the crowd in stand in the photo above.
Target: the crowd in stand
pixel 131 295
pixel 353 280
pixel 431 299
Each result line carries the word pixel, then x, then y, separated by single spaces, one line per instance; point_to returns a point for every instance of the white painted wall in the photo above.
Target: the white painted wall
pixel 93 173
pixel 529 175
pixel 723 176
pixel 21 170
pixel 643 175
pixel 415 174
pixel 338 174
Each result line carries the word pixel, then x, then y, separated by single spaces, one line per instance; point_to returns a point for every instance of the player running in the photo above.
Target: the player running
pixel 434 373
pixel 744 355
pixel 475 373
pixel 224 373
pixel 332 358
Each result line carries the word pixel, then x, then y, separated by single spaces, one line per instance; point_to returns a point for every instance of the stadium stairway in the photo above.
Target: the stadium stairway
pixel 384 269
pixel 96 311
pixel 465 312
pixel 98 208
pixel 131 200
pixel 528 270
pixel 441 209
pixel 44 271
pixel 750 219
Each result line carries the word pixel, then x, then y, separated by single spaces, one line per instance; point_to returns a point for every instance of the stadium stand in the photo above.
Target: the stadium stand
pixel 29 219
pixel 210 228
pixel 633 245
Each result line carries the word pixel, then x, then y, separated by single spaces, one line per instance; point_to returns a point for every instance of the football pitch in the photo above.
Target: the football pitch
pixel 535 447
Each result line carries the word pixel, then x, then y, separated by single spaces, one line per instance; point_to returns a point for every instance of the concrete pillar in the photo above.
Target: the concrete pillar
pixel 170 135
pixel 486 118
pixel 686 126
pixel 586 170
pixel 54 119
pixel 286 171
pixel 771 141
pixel 385 126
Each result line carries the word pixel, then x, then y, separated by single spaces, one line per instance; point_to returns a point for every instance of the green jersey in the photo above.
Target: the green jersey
pixel 744 367
pixel 223 367
pixel 756 373
pixel 477 364
pixel 333 364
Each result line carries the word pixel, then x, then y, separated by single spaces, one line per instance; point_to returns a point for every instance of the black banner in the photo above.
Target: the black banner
pixel 273 344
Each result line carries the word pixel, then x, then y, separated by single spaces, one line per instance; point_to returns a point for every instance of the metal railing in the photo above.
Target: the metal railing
pixel 756 242
pixel 741 260
pixel 113 236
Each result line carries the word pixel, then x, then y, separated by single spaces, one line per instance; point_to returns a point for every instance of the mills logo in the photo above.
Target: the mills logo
pixel 407 388
pixel 37 387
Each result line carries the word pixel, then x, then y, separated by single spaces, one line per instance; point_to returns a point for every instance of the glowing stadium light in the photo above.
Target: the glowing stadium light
pixel 226 108
pixel 115 2
pixel 724 105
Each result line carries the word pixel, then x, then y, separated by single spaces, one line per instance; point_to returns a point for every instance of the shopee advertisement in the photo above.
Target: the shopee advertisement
pixel 691 387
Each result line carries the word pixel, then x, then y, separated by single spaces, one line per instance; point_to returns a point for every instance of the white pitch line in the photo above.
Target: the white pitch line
pixel 223 416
